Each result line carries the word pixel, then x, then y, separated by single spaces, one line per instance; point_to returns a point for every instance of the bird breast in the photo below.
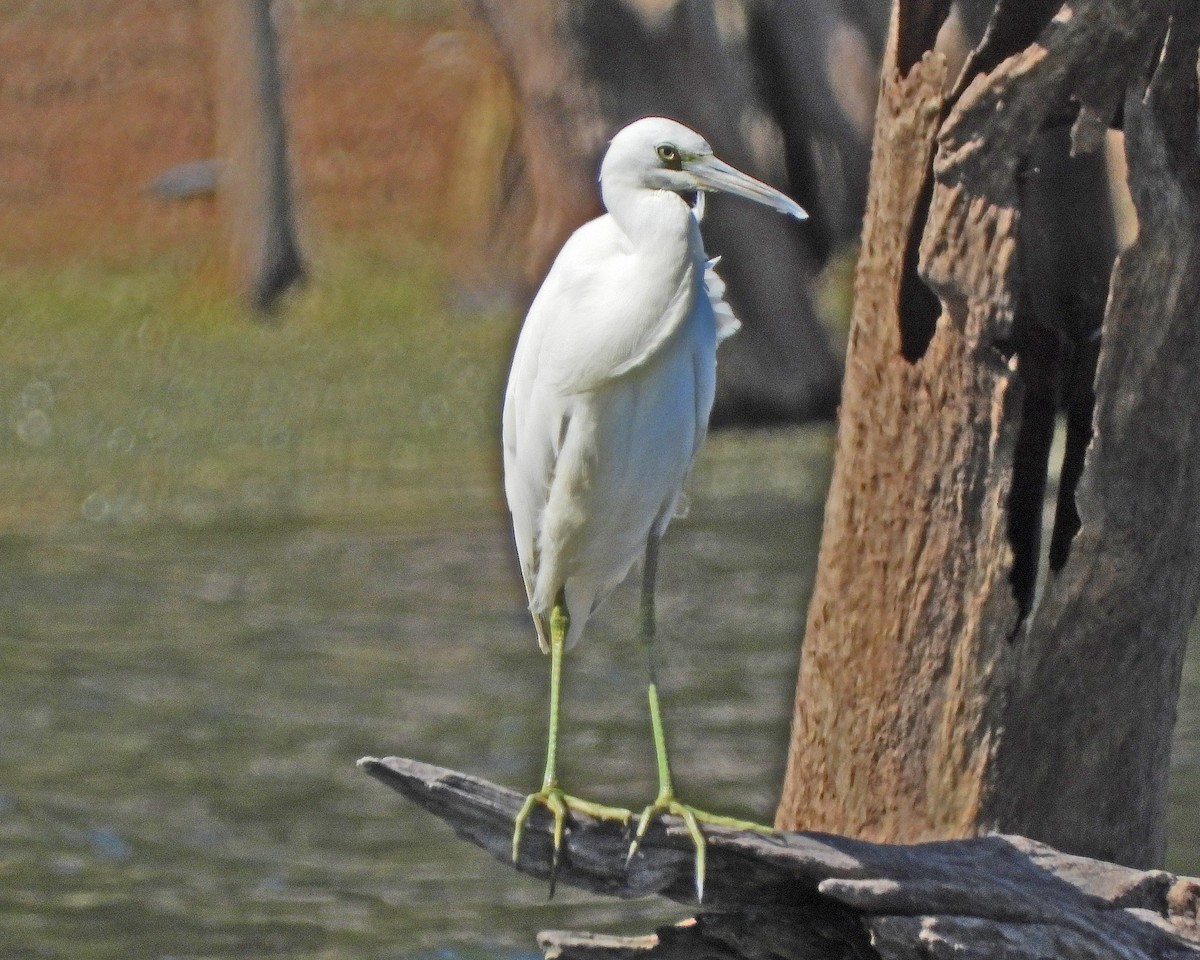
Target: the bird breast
pixel 607 404
pixel 614 303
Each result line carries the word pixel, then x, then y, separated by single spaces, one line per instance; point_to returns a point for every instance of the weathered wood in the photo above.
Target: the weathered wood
pixel 817 896
pixel 1102 656
pixel 936 698
pixel 887 480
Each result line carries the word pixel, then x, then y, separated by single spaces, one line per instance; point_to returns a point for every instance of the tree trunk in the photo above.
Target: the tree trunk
pixel 581 71
pixel 818 63
pixel 938 695
pixel 255 179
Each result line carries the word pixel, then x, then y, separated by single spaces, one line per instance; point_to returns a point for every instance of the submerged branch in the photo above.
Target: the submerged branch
pixel 816 896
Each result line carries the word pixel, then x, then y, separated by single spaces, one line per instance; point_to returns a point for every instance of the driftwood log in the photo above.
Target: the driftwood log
pixel 819 896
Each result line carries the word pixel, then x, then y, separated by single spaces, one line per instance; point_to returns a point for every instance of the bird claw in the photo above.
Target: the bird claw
pixel 692 817
pixel 559 803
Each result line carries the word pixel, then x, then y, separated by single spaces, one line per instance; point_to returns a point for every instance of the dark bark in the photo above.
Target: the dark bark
pixel 819 897
pixel 581 71
pixel 1101 657
pixel 1067 248
pixel 817 64
pixel 256 183
pixel 938 696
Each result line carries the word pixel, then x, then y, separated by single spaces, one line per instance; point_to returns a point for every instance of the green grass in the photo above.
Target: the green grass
pixel 137 395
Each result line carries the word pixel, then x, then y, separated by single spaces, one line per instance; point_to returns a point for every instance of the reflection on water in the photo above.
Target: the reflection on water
pixel 183 708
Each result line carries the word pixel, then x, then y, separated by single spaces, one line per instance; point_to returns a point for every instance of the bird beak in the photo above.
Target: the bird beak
pixel 714 174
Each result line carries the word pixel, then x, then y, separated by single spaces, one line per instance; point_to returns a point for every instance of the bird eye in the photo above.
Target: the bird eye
pixel 668 153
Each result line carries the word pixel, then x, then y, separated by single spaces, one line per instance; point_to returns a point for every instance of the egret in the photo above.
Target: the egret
pixel 607 405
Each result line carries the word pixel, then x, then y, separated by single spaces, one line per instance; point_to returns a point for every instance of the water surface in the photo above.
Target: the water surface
pixel 184 703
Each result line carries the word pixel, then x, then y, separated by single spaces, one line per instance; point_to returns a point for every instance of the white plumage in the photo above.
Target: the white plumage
pixel 613 377
pixel 607 405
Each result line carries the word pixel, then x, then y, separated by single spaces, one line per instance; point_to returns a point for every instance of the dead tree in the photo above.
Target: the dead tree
pixel 807 896
pixel 255 181
pixel 938 696
pixel 583 70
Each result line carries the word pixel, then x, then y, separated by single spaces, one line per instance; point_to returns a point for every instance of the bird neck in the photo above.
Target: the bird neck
pixel 650 219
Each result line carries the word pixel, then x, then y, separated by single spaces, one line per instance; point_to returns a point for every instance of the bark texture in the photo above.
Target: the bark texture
pixel 936 698
pixel 804 896
pixel 1123 600
pixel 582 71
pixel 256 183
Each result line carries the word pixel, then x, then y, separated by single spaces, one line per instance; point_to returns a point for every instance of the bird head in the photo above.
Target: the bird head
pixel 656 153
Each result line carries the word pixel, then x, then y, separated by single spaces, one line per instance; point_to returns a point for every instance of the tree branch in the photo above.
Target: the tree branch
pixel 810 895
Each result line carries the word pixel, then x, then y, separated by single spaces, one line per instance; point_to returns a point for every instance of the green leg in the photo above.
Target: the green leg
pixel 551 795
pixel 666 801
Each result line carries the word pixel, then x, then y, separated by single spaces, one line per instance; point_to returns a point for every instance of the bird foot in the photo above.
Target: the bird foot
pixel 558 803
pixel 692 817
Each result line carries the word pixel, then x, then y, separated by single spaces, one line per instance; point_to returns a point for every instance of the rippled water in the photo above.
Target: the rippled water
pixel 183 706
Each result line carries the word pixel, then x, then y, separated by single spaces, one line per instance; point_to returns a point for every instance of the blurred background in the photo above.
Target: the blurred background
pixel 261 270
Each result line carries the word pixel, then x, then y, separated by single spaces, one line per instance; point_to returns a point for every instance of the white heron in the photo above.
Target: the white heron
pixel 606 407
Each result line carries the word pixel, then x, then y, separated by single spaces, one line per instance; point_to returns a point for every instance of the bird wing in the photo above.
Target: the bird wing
pixel 598 316
pixel 530 449
pixel 607 310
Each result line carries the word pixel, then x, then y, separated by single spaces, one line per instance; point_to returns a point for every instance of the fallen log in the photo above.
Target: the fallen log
pixel 819 896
